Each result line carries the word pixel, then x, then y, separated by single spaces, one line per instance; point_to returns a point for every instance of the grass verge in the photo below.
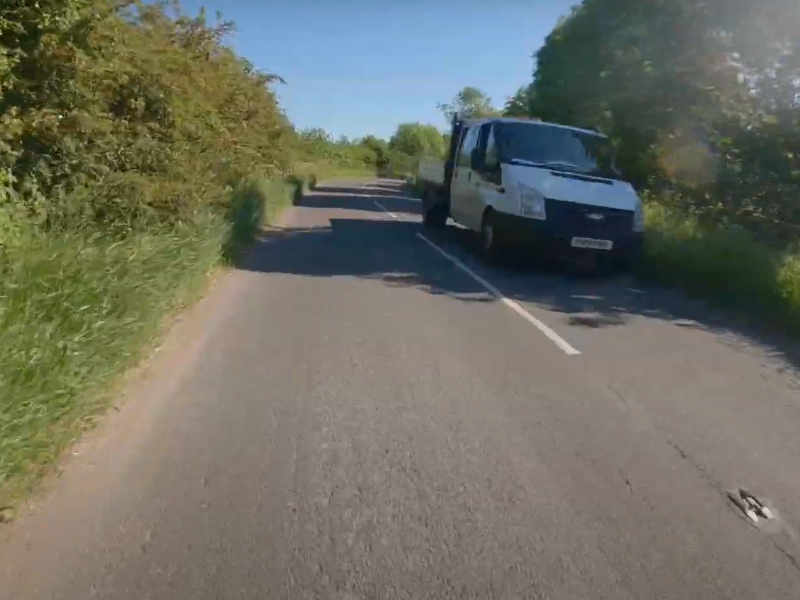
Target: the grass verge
pixel 77 310
pixel 728 266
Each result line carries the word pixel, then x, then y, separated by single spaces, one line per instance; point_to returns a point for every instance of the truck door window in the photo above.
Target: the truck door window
pixel 479 154
pixel 489 162
pixel 467 144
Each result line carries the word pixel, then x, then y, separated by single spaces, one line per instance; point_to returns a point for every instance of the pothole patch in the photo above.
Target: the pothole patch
pixel 753 508
pixel 595 320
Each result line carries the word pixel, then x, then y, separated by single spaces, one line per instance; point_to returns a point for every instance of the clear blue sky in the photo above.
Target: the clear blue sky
pixel 356 67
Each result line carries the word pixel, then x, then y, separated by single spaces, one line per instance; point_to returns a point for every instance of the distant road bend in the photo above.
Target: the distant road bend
pixel 365 409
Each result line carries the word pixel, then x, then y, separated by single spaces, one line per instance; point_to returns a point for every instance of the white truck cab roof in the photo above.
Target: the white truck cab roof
pixel 471 123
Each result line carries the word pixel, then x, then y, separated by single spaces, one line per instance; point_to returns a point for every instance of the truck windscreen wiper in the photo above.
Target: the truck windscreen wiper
pixel 528 163
pixel 550 164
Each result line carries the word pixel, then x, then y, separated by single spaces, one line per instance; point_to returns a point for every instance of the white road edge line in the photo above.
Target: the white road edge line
pixel 549 333
pixel 384 209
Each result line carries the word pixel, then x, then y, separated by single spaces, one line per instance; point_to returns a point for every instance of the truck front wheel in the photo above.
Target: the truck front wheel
pixel 489 242
pixel 435 216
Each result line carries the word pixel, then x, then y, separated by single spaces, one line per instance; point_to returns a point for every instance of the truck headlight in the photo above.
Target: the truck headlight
pixel 638 218
pixel 531 203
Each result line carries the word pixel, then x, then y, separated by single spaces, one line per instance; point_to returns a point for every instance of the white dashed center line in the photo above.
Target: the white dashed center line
pixel 384 209
pixel 515 306
pixel 565 346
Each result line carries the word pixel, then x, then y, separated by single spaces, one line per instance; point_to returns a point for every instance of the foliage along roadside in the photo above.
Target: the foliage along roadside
pixel 128 138
pixel 707 118
pixel 78 310
pixel 121 119
pixel 728 265
pixel 707 124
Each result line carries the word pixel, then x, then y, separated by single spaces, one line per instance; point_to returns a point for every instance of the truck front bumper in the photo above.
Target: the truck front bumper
pixel 556 236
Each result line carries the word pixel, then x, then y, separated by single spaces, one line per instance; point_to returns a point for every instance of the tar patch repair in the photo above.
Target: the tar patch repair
pixel 752 507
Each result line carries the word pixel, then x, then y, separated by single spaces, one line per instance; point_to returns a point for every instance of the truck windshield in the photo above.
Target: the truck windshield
pixel 555 148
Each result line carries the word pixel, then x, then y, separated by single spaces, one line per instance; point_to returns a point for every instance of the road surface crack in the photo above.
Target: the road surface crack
pixel 789 556
pixel 708 478
pixel 701 470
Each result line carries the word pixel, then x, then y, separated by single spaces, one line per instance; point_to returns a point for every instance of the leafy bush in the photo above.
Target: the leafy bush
pixel 729 265
pixel 400 165
pixel 128 141
pixel 76 309
pixel 789 283
pixel 120 119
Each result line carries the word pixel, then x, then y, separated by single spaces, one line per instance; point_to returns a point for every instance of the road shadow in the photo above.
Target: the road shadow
pixel 369 198
pixel 370 249
pixel 385 188
pixel 390 251
pixel 358 196
pixel 357 201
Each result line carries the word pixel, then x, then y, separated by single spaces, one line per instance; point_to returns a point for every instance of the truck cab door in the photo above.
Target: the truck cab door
pixel 462 185
pixel 487 189
pixel 477 188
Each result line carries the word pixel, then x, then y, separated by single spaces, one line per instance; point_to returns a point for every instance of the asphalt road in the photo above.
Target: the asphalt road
pixel 361 412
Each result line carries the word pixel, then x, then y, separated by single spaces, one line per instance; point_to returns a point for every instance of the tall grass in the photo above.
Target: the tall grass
pixel 727 265
pixel 124 128
pixel 76 310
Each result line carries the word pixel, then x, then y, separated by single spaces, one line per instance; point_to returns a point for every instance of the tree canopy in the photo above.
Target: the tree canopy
pixel 519 105
pixel 701 97
pixel 416 139
pixel 470 103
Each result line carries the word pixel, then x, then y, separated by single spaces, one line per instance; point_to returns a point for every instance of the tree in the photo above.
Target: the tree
pixel 416 139
pixel 379 147
pixel 708 112
pixel 469 103
pixel 316 134
pixel 519 105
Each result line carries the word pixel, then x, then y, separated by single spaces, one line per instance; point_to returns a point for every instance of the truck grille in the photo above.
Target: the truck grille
pixel 585 220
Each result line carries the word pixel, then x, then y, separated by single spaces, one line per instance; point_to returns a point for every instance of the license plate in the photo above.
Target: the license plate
pixel 581 242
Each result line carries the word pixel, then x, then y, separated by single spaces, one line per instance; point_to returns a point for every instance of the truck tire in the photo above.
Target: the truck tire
pixel 434 217
pixel 490 246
